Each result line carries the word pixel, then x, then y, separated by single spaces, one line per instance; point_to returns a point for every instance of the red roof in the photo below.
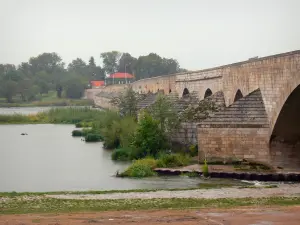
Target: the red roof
pixel 97 83
pixel 121 75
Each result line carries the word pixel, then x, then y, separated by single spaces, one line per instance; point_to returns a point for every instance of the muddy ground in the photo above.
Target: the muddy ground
pixel 236 216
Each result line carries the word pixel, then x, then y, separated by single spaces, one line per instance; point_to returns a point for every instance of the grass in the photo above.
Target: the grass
pixel 69 115
pixel 21 205
pixel 49 99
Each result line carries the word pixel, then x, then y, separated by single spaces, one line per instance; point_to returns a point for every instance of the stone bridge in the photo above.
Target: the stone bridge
pixel 262 97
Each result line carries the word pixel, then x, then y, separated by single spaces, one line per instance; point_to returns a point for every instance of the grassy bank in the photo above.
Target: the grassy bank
pixel 70 115
pixel 22 205
pixel 49 99
pixel 57 102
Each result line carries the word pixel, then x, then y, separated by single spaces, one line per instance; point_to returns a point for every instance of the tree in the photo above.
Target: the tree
pixel 127 101
pixel 74 89
pixel 163 110
pixel 92 62
pixel 110 61
pixel 78 66
pixel 49 62
pixel 59 90
pixel 126 63
pixel 8 90
pixel 149 138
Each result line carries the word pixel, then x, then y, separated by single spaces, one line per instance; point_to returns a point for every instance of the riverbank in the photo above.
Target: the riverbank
pixel 283 194
pixel 56 102
pixel 243 215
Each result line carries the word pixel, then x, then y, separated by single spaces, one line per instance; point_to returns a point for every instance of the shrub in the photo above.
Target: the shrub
pixel 172 160
pixel 193 150
pixel 149 138
pixel 121 154
pixel 93 137
pixel 77 133
pixel 141 168
pixel 205 169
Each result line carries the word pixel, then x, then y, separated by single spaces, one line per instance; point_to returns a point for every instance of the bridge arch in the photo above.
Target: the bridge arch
pixel 208 93
pixel 238 95
pixel 185 92
pixel 285 136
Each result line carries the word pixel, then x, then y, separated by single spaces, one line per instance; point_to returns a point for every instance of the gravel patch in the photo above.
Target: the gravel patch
pixel 285 190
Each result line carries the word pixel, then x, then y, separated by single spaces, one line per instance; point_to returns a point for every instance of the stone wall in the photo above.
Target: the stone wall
pixel 187 134
pixel 155 84
pixel 199 81
pixel 236 143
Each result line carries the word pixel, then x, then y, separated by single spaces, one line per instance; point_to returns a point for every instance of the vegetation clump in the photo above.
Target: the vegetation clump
pixel 77 133
pixel 141 168
pixel 93 137
pixel 172 160
pixel 205 169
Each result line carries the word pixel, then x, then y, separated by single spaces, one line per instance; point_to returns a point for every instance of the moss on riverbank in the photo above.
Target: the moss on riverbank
pixel 39 204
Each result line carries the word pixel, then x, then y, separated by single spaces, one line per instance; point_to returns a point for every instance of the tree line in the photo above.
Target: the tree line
pixel 46 72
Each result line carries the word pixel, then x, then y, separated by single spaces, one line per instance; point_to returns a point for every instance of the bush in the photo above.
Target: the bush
pixel 93 137
pixel 83 124
pixel 141 168
pixel 121 154
pixel 193 150
pixel 172 160
pixel 149 138
pixel 205 169
pixel 77 133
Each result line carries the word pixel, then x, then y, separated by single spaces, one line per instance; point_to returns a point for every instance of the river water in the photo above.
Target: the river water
pixel 50 159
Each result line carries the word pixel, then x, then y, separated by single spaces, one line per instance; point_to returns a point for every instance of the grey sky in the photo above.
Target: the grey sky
pixel 198 33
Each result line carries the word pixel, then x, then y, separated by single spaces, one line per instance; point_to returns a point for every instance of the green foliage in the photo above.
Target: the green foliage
pixel 74 89
pixel 122 154
pixel 172 160
pixel 127 102
pixel 193 150
pixel 77 133
pixel 46 72
pixel 8 89
pixel 141 168
pixel 205 169
pixel 73 115
pixel 92 137
pixel 149 138
pixel 118 132
pixel 164 112
pixel 110 61
pixel 83 124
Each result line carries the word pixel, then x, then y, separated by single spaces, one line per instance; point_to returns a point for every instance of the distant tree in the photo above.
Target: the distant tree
pixel 78 66
pixel 126 63
pixel 8 89
pixel 49 62
pixel 92 62
pixel 110 61
pixel 59 90
pixel 74 89
pixel 154 65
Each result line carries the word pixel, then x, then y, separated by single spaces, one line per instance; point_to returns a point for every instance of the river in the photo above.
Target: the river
pixel 50 159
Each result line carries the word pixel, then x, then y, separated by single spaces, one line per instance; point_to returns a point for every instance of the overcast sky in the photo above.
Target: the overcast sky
pixel 198 33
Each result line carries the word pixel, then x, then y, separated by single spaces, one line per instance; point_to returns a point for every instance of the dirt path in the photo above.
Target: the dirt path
pixel 242 216
pixel 282 190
